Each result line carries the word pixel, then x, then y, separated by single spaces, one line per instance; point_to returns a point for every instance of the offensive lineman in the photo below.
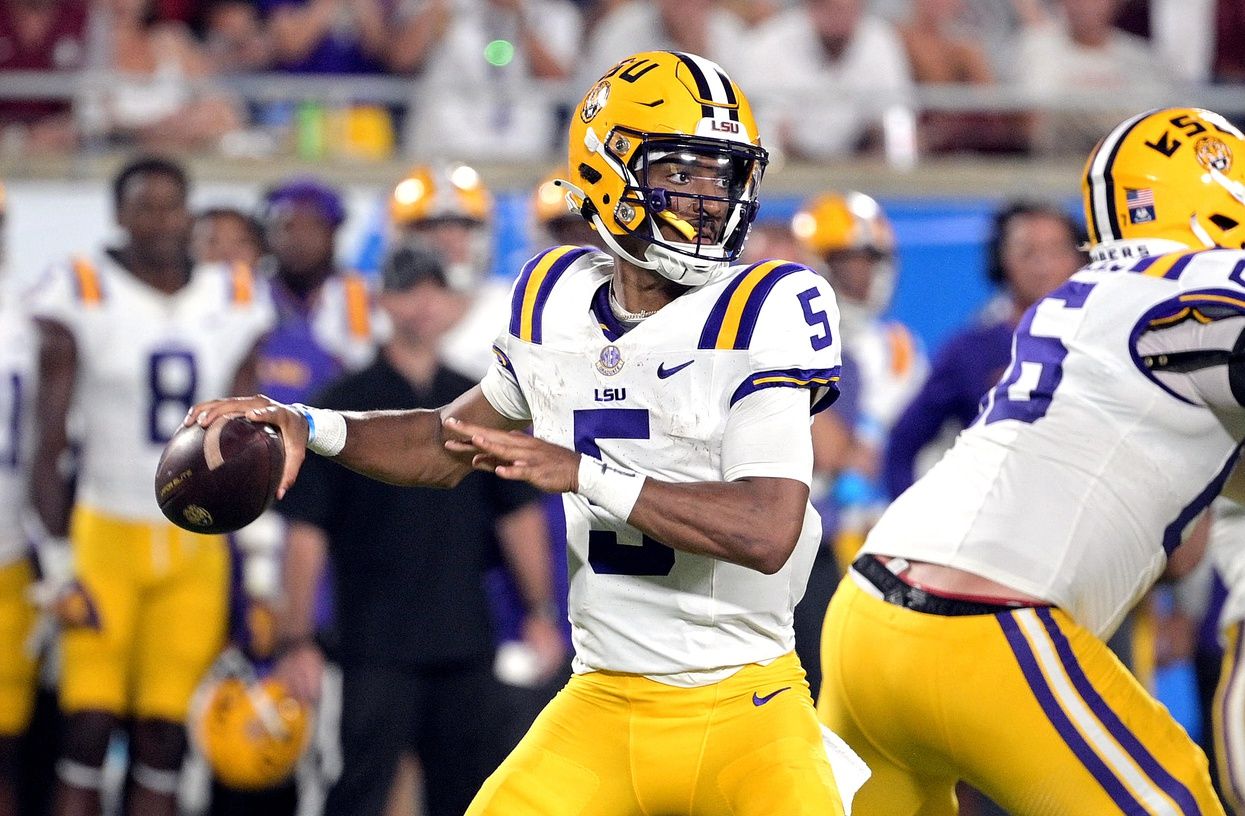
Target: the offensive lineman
pixel 129 338
pixel 669 394
pixel 967 642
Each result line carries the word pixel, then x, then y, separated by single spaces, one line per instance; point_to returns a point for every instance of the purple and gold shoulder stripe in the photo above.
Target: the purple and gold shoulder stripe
pixel 733 318
pixel 533 288
pixel 823 382
pixel 503 360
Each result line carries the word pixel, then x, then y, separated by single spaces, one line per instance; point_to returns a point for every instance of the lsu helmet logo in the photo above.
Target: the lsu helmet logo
pixel 595 100
pixel 1213 154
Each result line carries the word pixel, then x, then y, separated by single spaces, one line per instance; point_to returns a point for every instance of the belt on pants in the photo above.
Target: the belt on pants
pixel 900 593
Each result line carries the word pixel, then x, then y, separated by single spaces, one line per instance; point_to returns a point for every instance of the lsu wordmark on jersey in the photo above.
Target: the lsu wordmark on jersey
pixel 143 358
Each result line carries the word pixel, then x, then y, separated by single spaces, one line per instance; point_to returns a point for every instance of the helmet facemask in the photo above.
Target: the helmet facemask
pixel 687 201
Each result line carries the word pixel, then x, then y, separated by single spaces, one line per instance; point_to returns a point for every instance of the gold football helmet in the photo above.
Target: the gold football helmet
pixel 852 236
pixel 1176 174
pixel 440 193
pixel 251 731
pixel 647 142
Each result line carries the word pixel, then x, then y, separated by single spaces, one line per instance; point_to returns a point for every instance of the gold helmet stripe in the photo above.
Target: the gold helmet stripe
pixel 1104 221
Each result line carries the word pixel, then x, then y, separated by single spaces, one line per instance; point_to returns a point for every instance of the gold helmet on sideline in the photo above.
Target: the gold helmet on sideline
pixel 663 106
pixel 250 730
pixel 852 238
pixel 440 192
pixel 1175 175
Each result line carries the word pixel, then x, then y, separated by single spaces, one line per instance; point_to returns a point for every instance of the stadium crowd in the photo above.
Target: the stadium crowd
pixel 496 78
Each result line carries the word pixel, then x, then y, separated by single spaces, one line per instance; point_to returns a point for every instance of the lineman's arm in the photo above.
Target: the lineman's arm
pixel 49 489
pixel 399 447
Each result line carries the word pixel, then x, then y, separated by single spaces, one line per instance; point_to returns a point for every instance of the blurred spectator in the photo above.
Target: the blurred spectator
pixel 701 27
pixel 1229 57
pixel 942 50
pixel 330 36
pixel 1181 32
pixel 478 61
pixel 235 37
pixel 40 35
pixel 1033 249
pixel 1082 52
pixel 226 235
pixel 417 646
pixel 841 69
pixel 151 102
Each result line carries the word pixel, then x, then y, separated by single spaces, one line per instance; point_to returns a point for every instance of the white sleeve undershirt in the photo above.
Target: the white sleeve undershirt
pixel 767 434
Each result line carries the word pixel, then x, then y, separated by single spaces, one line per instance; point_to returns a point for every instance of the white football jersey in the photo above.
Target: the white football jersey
pixel 892 368
pixel 18 369
pixel 655 400
pixel 1087 464
pixel 144 358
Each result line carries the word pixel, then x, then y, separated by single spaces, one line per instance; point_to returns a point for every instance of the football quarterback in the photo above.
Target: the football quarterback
pixel 996 578
pixel 669 393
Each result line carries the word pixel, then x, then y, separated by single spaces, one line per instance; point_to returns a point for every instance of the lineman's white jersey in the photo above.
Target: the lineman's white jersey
pixel 1085 467
pixel 18 369
pixel 656 400
pixel 143 359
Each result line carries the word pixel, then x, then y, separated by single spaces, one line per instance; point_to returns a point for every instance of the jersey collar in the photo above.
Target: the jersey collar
pixel 1134 249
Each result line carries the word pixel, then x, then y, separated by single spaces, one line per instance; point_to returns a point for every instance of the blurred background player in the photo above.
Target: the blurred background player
pixel 447 209
pixel 556 224
pixel 226 235
pixel 18 637
pixel 416 646
pixel 848 238
pixel 326 326
pixel 1032 248
pixel 129 339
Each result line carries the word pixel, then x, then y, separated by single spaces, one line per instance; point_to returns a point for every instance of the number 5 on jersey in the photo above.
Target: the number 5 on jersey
pixel 606 554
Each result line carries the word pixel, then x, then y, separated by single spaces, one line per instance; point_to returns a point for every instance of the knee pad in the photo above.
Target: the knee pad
pixel 84 748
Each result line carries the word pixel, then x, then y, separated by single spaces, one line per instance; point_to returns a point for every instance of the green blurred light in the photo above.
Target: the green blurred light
pixel 499 52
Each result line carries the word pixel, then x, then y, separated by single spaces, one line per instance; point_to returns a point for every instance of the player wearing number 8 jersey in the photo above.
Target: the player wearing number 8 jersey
pixel 669 394
pixel 130 338
pixel 967 641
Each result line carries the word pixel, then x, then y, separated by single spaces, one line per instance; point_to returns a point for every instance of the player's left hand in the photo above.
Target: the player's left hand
pixel 515 455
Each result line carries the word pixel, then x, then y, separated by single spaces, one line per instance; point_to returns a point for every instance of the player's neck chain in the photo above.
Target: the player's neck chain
pixel 624 315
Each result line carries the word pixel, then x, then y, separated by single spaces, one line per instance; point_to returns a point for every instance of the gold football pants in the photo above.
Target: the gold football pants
pixel 1025 705
pixel 623 745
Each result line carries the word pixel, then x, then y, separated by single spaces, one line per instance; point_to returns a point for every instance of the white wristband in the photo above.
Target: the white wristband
pixel 610 488
pixel 326 430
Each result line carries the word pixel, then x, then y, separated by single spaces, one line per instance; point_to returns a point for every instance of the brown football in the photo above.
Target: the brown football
pixel 220 478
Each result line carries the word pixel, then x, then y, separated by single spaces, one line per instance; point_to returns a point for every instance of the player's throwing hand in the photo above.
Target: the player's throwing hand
pixel 287 419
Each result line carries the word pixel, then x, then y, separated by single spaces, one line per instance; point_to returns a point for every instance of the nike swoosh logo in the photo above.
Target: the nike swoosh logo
pixel 663 372
pixel 758 700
